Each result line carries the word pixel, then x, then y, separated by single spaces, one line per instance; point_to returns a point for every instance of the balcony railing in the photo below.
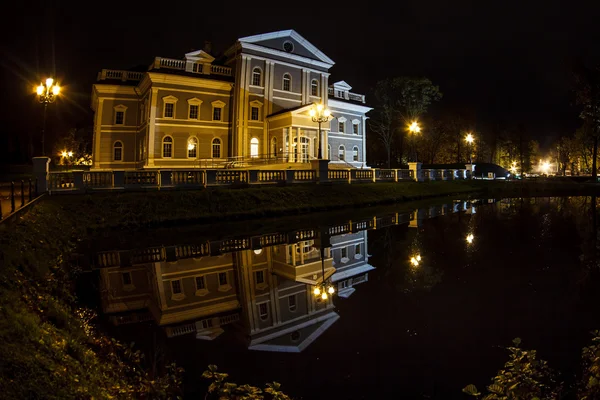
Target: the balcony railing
pixel 188 66
pixel 339 94
pixel 120 75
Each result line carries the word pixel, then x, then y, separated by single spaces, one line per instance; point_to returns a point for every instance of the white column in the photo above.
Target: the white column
pixel 290 145
pixel 326 147
pixel 97 134
pixel 364 140
pixel 298 153
pixel 152 127
pixel 303 90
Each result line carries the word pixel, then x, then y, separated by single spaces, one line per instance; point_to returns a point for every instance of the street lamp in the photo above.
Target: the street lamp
pixel 319 114
pixel 323 290
pixel 470 139
pixel 414 128
pixel 47 94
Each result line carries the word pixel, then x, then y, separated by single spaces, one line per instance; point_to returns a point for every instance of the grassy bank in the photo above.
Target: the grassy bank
pixel 50 347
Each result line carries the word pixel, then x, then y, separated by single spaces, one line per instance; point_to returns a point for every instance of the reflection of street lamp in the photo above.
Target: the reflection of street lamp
pixel 322 288
pixel 46 94
pixel 545 167
pixel 414 129
pixel 470 139
pixel 415 260
pixel 470 238
pixel 319 114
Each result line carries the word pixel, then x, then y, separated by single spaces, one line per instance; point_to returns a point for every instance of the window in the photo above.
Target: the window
pixel 200 283
pixel 355 129
pixel 119 117
pixel 176 287
pixel 126 278
pixel 169 110
pixel 254 148
pixel 256 77
pixel 120 114
pixel 344 252
pixel 167 147
pixel 357 249
pixel 192 147
pixel 314 87
pixel 341 127
pixel 193 113
pixel 341 152
pixel 259 277
pixel 263 311
pixel 355 154
pixel 118 151
pixel 254 114
pixel 216 114
pixel 216 148
pixel 292 302
pixel 273 147
pixel 287 82
pixel 222 278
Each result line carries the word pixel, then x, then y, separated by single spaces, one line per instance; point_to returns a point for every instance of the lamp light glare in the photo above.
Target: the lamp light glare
pixel 331 290
pixel 64 153
pixel 56 90
pixel 70 154
pixel 311 113
pixel 40 90
pixel 319 107
pixel 49 82
pixel 317 291
pixel 324 296
pixel 327 113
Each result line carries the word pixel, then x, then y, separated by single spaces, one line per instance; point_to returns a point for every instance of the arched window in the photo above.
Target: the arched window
pixel 287 82
pixel 118 151
pixel 314 87
pixel 355 153
pixel 254 148
pixel 167 147
pixel 216 148
pixel 341 153
pixel 256 77
pixel 192 147
pixel 273 147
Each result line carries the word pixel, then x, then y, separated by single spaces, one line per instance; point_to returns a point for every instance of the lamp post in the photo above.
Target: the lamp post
pixel 319 113
pixel 47 93
pixel 322 289
pixel 470 139
pixel 414 129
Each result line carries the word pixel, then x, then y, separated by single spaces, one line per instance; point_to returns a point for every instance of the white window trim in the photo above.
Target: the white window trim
pixel 343 148
pixel 260 84
pixel 264 285
pixel 295 295
pixel 220 147
pixel 122 152
pixel 357 123
pixel 357 154
pixel 258 309
pixel 227 286
pixel 257 145
pixel 162 146
pixel 188 151
pixel 311 86
pixel 177 296
pixel 194 101
pixel 283 80
pixel 217 104
pixel 127 287
pixel 122 108
pixel 259 105
pixel 170 100
pixel 200 292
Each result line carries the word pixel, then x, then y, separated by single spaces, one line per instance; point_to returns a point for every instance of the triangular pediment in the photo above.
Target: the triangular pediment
pixel 342 85
pixel 199 56
pixel 288 42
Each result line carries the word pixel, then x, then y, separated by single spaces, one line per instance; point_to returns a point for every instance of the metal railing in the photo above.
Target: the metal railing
pixel 16 195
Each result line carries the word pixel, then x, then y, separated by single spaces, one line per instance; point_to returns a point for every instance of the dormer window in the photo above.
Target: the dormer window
pixel 287 82
pixel 256 77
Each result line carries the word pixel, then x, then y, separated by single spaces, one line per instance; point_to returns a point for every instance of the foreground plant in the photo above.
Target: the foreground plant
pixel 221 389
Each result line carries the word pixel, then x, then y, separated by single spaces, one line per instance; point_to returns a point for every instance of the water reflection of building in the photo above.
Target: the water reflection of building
pixel 264 292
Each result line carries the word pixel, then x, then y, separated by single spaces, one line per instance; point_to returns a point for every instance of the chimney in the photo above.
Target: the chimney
pixel 207 46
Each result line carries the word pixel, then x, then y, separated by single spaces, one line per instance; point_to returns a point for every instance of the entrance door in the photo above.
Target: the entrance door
pixel 301 151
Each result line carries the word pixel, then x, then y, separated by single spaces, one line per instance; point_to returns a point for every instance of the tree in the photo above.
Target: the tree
pixel 566 151
pixel 587 81
pixel 383 122
pixel 78 142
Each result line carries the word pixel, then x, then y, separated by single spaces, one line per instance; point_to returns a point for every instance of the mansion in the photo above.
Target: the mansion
pixel 251 105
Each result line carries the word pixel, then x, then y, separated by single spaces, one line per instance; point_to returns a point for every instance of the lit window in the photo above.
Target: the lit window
pixel 254 114
pixel 176 287
pixel 222 278
pixel 256 77
pixel 193 114
pixel 287 82
pixel 167 147
pixel 216 114
pixel 341 127
pixel 200 283
pixel 341 152
pixel 263 311
pixel 292 302
pixel 259 277
pixel 192 147
pixel 126 278
pixel 254 148
pixel 314 87
pixel 169 110
pixel 118 151
pixel 216 148
pixel 355 153
pixel 355 129
pixel 119 117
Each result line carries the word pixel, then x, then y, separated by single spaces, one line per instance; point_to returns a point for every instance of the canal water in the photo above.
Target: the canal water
pixel 426 297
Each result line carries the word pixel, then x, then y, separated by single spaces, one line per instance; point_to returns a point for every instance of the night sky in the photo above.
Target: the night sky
pixel 500 61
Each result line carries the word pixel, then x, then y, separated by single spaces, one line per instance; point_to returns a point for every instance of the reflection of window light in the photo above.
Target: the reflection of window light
pixel 258 251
